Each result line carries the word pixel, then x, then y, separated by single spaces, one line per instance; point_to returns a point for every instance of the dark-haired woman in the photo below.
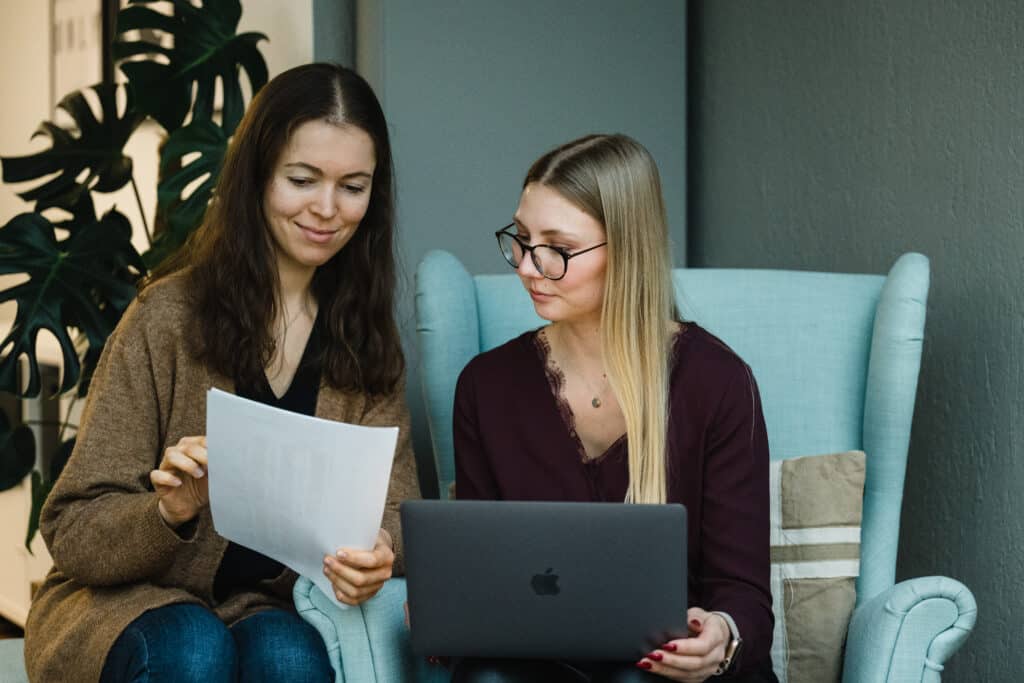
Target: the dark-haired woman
pixel 284 295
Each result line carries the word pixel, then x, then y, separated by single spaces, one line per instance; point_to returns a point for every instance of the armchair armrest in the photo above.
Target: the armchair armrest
pixel 907 632
pixel 367 643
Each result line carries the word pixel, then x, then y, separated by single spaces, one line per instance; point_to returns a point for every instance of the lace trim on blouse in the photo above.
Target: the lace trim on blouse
pixel 556 380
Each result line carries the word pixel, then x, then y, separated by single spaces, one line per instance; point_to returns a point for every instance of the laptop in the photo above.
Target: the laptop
pixel 575 581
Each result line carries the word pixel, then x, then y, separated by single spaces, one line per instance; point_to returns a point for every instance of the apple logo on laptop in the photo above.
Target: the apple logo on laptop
pixel 545 584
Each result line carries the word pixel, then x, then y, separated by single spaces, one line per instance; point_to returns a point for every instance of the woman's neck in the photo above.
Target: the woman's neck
pixel 295 290
pixel 580 342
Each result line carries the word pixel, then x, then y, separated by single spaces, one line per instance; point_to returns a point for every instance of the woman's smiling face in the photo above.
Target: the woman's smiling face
pixel 318 192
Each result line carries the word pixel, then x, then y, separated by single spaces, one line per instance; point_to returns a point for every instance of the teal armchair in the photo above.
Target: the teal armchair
pixel 836 358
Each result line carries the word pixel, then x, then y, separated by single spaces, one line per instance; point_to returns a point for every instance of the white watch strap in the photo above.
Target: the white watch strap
pixel 732 624
pixel 730 650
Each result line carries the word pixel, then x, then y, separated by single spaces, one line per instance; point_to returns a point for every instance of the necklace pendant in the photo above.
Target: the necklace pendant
pixel 596 402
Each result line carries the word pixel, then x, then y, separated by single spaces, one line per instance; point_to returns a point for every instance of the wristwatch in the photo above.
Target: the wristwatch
pixel 732 648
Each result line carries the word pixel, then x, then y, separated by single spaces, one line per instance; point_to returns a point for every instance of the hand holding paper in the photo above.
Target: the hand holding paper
pixel 293 487
pixel 357 575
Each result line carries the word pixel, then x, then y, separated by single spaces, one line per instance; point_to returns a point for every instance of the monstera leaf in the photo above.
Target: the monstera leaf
pixel 17 452
pixel 83 212
pixel 205 48
pixel 96 148
pixel 84 281
pixel 182 214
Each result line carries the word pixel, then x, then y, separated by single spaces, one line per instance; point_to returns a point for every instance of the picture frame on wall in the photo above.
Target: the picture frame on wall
pixel 79 45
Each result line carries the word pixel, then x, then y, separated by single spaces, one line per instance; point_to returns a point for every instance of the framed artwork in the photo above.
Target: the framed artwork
pixel 76 46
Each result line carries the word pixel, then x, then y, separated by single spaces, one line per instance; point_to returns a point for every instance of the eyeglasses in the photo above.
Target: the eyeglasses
pixel 551 262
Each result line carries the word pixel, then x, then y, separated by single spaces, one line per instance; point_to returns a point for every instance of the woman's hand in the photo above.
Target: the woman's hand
pixel 692 659
pixel 357 575
pixel 181 482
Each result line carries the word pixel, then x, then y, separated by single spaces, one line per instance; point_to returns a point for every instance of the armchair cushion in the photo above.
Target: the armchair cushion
pixel 369 642
pixel 816 506
pixel 906 633
pixel 12 661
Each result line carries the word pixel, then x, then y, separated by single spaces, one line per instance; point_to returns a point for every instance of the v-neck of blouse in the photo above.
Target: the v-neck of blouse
pixel 303 391
pixel 242 567
pixel 556 383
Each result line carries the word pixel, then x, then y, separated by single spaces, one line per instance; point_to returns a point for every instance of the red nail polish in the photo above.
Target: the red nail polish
pixel 694 623
pixel 671 647
pixel 656 656
pixel 644 664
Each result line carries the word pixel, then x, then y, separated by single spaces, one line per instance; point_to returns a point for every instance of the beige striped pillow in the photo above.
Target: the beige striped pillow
pixel 816 504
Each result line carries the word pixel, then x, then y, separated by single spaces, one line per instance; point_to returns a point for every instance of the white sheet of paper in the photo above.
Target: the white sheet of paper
pixel 294 487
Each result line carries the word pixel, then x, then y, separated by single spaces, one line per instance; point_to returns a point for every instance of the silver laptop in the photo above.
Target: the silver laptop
pixel 585 581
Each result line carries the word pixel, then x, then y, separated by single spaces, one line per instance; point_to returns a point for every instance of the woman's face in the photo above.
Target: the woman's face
pixel 545 217
pixel 318 192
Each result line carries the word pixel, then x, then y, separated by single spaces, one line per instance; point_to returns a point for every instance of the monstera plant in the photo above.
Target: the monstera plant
pixel 78 269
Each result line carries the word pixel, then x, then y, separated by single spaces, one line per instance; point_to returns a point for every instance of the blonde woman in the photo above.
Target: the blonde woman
pixel 617 399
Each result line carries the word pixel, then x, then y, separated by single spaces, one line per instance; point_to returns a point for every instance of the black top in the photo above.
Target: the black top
pixel 515 439
pixel 242 567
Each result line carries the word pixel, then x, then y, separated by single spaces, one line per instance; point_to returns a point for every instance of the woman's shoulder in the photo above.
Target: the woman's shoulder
pixel 158 311
pixel 170 290
pixel 163 300
pixel 505 360
pixel 704 360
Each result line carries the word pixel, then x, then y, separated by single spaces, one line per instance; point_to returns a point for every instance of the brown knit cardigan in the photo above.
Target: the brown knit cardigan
pixel 114 557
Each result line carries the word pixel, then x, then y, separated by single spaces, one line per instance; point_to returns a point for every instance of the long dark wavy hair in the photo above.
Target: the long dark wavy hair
pixel 231 262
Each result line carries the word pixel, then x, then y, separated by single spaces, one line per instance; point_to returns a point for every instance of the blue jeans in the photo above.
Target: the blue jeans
pixel 188 643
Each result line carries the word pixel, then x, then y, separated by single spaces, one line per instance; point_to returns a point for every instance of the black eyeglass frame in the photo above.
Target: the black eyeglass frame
pixel 566 255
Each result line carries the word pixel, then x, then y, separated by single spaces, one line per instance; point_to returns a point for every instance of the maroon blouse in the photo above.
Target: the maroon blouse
pixel 513 442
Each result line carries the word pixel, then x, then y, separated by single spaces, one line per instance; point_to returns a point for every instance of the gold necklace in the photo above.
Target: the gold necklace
pixel 596 400
pixel 288 323
pixel 596 394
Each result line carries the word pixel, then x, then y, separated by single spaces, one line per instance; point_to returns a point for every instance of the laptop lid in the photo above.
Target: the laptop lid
pixel 596 581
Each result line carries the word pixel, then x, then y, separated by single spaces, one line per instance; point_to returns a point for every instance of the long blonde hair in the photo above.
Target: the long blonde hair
pixel 614 179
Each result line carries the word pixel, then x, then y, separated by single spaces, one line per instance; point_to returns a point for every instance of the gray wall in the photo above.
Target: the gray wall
pixel 334 28
pixel 475 91
pixel 836 135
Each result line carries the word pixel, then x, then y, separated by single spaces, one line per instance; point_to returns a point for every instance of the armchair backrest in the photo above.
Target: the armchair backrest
pixel 836 358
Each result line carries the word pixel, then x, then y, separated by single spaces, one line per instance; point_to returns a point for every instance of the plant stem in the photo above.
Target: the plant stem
pixel 142 213
pixel 67 420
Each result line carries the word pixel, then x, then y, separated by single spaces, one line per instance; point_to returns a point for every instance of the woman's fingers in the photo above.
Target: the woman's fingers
pixel 200 440
pixel 162 478
pixel 355 577
pixel 676 674
pixel 352 595
pixel 690 659
pixel 188 455
pixel 177 459
pixel 698 646
pixel 676 667
pixel 196 451
pixel 380 556
pixel 691 664
pixel 180 480
pixel 353 585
